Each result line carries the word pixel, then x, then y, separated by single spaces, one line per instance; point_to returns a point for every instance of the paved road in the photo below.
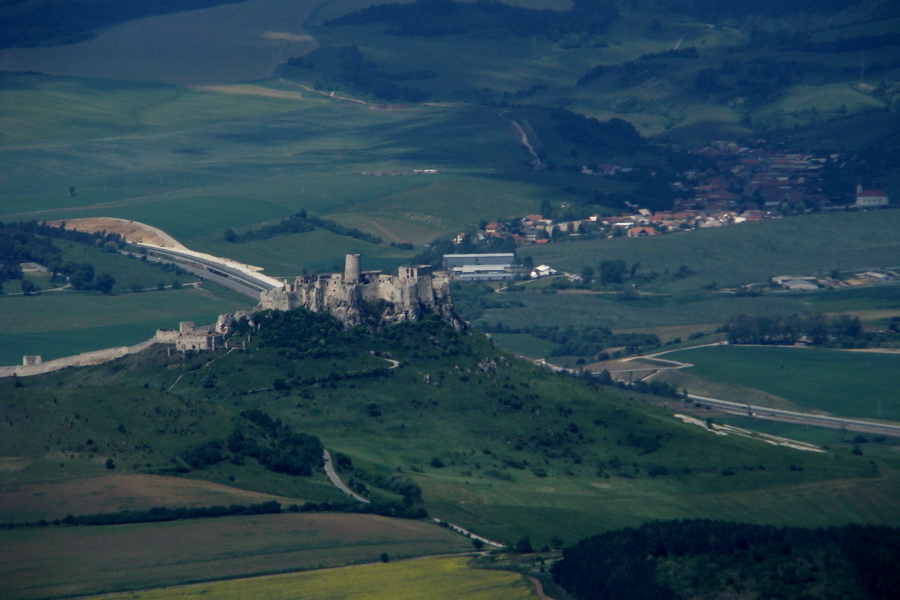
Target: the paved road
pixel 336 480
pixel 225 271
pixel 763 412
pixel 777 414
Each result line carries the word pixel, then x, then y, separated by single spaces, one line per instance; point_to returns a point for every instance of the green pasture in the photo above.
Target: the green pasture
pixel 61 324
pixel 681 309
pixel 65 561
pixel 470 64
pixel 745 253
pixel 808 105
pixel 25 502
pixel 524 344
pixel 315 251
pixel 242 43
pixel 40 109
pixel 565 458
pixel 195 179
pixel 850 384
pixel 550 508
pixel 433 578
pixel 447 204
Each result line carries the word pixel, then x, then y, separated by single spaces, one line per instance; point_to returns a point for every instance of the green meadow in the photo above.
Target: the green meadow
pixel 433 578
pixel 839 382
pixel 489 442
pixel 564 457
pixel 60 562
pixel 719 260
pixel 745 253
pixel 61 324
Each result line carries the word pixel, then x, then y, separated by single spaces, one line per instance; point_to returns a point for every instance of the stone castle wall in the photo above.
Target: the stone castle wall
pixel 186 337
pixel 97 357
pixel 355 296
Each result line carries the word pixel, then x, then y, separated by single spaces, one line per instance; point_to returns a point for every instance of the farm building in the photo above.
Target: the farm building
pixel 485 267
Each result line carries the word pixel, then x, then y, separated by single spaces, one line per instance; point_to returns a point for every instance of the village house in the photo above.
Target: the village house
pixel 870 198
pixel 641 232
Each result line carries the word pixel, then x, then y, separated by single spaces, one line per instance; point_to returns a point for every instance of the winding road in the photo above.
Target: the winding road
pixel 336 480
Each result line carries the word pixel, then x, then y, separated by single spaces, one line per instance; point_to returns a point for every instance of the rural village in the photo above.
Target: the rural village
pixel 743 185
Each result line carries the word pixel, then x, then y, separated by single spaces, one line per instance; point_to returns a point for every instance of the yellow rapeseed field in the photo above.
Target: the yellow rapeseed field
pixel 421 579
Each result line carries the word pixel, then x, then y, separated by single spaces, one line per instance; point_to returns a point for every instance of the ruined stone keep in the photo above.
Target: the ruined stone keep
pixel 355 296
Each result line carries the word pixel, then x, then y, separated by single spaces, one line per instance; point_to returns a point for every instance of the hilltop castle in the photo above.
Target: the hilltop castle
pixel 356 296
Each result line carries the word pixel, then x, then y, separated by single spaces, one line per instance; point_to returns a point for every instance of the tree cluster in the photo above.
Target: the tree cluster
pixel 581 341
pixel 655 387
pixel 366 76
pixel 299 223
pixel 754 80
pixel 274 444
pixel 298 333
pixel 614 133
pixel 702 559
pixel 32 242
pixel 813 328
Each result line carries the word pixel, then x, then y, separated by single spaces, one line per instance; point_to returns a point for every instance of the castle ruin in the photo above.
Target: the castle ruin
pixel 355 296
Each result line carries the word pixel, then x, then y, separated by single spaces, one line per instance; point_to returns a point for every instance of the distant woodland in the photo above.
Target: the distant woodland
pixel 33 242
pixel 706 559
pixel 299 223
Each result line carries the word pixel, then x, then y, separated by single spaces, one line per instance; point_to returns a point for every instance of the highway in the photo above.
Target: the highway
pixel 766 413
pixel 242 278
pixel 777 414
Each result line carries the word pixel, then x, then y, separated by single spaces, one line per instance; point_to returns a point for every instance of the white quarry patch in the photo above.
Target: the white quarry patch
pixel 775 440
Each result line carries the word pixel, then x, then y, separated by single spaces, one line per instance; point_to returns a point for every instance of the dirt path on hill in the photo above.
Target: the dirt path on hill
pixel 386 232
pixel 539 589
pixel 523 138
pixel 132 231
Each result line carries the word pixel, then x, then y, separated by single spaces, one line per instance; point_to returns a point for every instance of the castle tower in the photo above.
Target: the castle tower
pixel 351 268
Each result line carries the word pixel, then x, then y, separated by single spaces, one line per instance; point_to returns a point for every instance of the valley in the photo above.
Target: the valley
pixel 616 145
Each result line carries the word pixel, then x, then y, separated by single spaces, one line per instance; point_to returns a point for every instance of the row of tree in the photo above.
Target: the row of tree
pixel 347 67
pixel 298 223
pixel 580 341
pixel 447 17
pixel 177 513
pixel 814 328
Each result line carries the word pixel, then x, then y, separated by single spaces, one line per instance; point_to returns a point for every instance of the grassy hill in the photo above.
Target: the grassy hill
pixel 495 444
pixel 299 106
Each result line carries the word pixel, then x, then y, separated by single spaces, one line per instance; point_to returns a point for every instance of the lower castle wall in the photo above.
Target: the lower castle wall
pixel 97 357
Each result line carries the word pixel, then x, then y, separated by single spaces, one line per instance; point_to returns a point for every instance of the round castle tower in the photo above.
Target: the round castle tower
pixel 351 268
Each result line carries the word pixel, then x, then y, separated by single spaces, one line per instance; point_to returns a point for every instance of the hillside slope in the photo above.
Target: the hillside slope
pixel 457 428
